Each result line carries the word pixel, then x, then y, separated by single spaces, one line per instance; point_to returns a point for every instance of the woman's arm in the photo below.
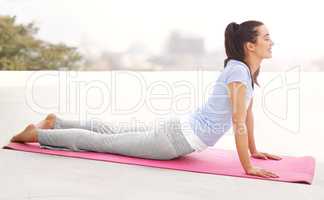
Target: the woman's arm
pixel 237 98
pixel 237 91
pixel 250 128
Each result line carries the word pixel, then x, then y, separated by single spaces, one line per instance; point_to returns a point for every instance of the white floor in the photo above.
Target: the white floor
pixel 36 176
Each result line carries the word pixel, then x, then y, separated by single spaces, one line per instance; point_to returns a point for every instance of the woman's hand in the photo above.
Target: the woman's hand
pixel 265 156
pixel 256 171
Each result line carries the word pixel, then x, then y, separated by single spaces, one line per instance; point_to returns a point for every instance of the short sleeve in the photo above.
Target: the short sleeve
pixel 238 73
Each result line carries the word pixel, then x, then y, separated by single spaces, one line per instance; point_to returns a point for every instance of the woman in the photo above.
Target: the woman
pixel 230 104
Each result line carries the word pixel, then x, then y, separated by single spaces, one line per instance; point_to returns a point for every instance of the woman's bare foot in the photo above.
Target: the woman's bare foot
pixel 29 134
pixel 48 122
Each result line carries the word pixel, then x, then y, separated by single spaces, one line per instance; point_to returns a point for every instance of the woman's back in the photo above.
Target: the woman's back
pixel 211 120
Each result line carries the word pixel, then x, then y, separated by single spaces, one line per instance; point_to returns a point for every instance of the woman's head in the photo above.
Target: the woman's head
pixel 249 39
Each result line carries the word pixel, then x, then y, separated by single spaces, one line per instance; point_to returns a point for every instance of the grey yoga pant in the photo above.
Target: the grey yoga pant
pixel 164 141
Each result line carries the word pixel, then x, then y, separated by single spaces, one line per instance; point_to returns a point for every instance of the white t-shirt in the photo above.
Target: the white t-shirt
pixel 207 124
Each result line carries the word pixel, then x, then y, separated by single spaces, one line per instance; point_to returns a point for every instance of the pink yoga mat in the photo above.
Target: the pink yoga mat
pixel 210 161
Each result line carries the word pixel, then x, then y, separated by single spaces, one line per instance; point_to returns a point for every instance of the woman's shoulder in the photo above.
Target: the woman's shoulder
pixel 237 66
pixel 236 71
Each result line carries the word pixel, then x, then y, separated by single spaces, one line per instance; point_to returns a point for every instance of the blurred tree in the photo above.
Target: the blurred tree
pixel 21 50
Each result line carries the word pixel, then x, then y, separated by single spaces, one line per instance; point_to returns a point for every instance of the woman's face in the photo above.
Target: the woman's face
pixel 263 45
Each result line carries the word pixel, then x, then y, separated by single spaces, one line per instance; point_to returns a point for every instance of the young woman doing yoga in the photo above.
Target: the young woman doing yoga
pixel 229 105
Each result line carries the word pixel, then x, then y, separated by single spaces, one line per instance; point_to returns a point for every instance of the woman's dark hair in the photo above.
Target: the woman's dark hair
pixel 236 35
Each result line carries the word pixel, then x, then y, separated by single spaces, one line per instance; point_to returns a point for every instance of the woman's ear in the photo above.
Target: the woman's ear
pixel 249 46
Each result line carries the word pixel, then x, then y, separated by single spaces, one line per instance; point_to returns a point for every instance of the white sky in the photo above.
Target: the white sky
pixel 295 26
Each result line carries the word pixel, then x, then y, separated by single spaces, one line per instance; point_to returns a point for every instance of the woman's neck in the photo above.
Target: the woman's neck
pixel 254 63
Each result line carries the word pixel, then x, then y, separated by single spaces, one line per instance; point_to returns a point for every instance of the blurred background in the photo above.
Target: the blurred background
pixel 124 60
pixel 151 35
